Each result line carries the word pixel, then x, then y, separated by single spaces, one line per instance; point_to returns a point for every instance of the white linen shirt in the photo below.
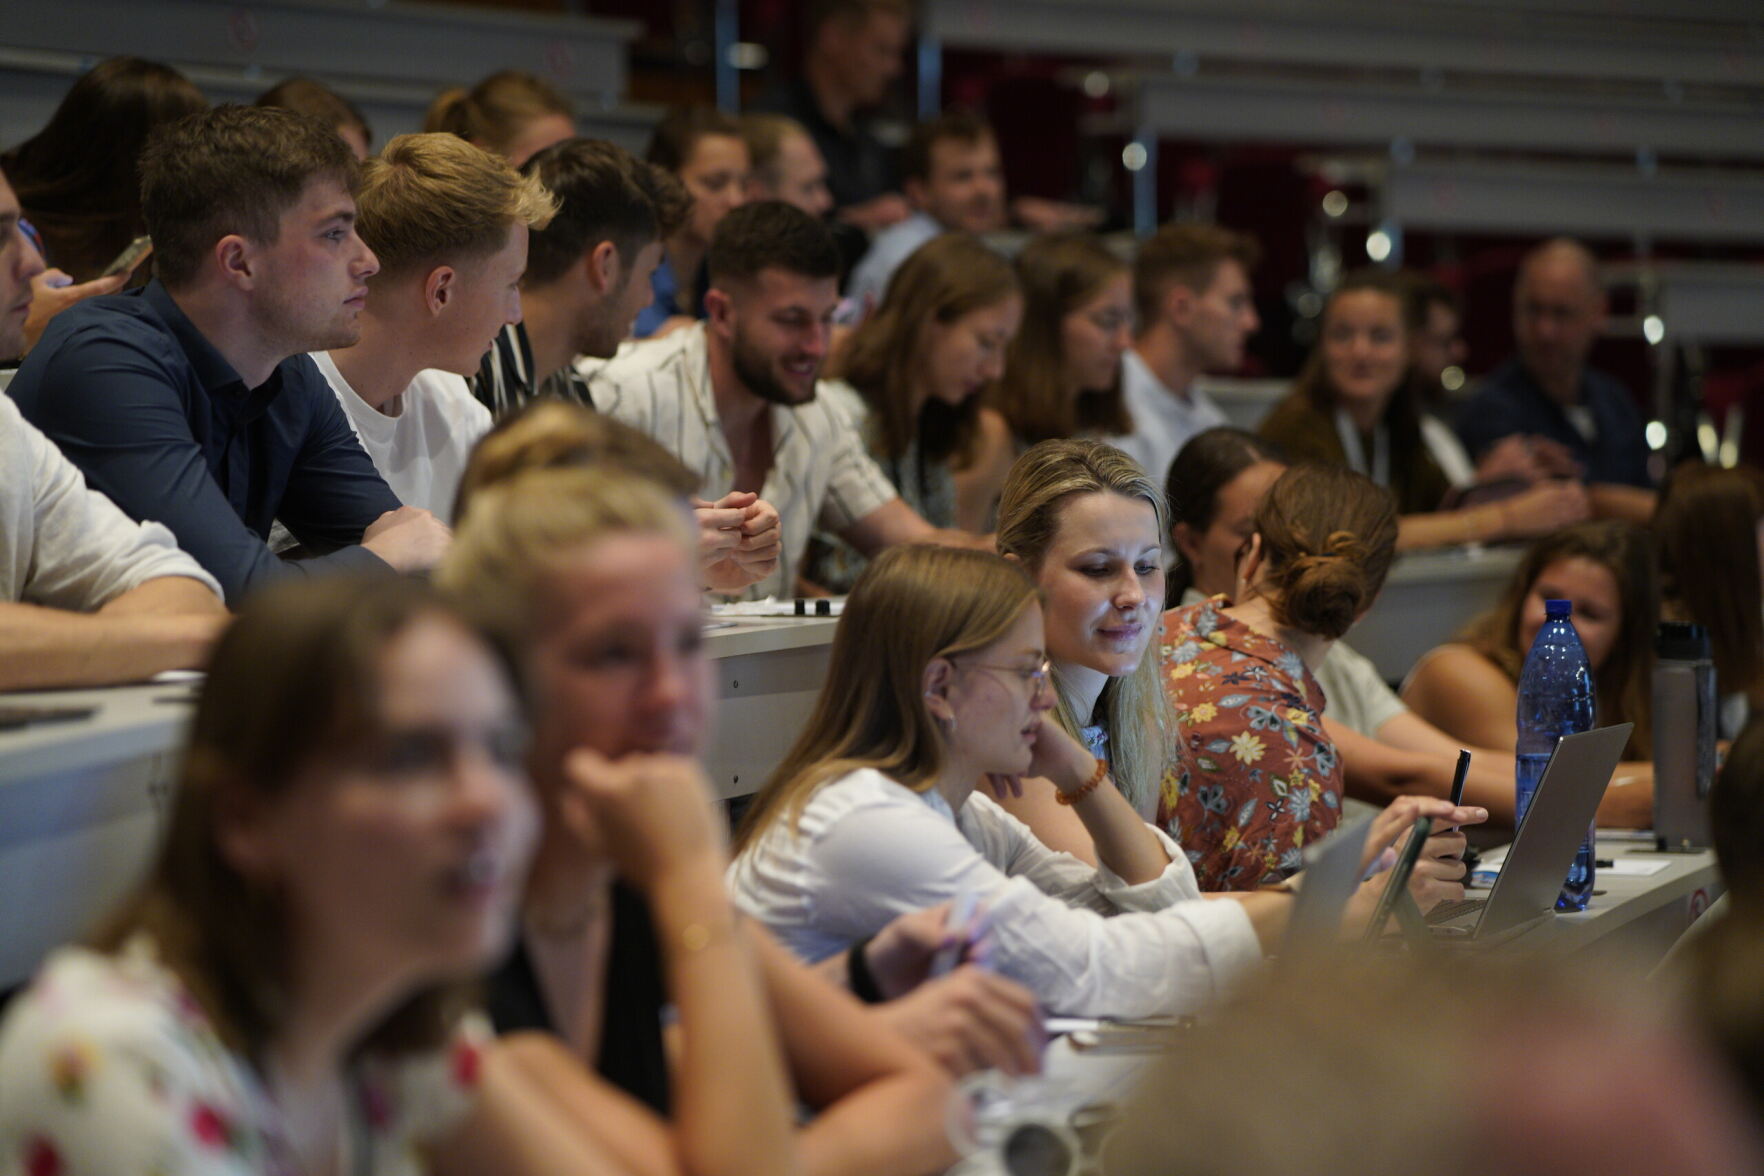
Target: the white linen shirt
pixel 64 545
pixel 868 849
pixel 421 452
pixel 1162 421
pixel 821 476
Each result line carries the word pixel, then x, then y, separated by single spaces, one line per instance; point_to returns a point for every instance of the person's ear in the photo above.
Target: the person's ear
pixel 440 288
pixel 719 311
pixel 602 267
pixel 1178 305
pixel 915 192
pixel 1249 563
pixel 934 684
pixel 1187 543
pixel 236 260
pixel 242 834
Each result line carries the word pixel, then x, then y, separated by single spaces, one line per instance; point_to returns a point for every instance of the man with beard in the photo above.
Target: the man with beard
pixel 955 182
pixel 587 271
pixel 191 401
pixel 733 397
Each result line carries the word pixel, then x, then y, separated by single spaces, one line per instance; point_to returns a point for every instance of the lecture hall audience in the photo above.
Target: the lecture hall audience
pixel 443 885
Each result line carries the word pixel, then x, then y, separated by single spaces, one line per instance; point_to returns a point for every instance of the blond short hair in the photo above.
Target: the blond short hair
pixel 433 197
pixel 520 529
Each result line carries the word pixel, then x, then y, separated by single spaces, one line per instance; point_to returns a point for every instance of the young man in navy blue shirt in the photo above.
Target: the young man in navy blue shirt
pixel 192 401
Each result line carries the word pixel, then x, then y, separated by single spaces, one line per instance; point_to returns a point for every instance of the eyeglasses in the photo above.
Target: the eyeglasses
pixel 1037 678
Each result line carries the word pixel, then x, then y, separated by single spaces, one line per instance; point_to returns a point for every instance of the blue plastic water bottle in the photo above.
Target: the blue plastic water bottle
pixel 1555 699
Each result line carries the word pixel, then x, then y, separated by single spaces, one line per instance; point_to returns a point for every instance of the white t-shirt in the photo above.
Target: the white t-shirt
pixel 1163 422
pixel 64 545
pixel 422 451
pixel 868 849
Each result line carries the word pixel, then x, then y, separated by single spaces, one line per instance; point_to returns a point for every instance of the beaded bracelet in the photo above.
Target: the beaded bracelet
pixel 1085 789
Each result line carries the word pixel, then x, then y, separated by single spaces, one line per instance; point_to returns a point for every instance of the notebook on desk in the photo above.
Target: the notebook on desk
pixel 1543 848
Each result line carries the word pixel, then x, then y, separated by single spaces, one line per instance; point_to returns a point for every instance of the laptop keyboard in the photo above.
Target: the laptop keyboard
pixel 1445 912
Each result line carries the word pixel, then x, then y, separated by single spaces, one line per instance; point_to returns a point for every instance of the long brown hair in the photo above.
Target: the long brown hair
pixel 949 276
pixel 1059 272
pixel 79 178
pixel 1203 467
pixel 912 604
pixel 1624 684
pixel 1706 531
pixel 294 679
pixel 1132 709
pixel 1328 537
pixel 1402 416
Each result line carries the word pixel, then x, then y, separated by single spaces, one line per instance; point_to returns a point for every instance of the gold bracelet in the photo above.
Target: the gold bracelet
pixel 1085 789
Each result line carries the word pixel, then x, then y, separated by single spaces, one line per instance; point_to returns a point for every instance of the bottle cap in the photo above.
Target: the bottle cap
pixel 1679 641
pixel 1558 610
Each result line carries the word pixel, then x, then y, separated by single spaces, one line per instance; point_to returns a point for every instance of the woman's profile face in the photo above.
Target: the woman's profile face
pixel 998 695
pixel 404 854
pixel 963 356
pixel 1102 582
pixel 1097 333
pixel 715 175
pixel 1212 554
pixel 1598 605
pixel 1365 347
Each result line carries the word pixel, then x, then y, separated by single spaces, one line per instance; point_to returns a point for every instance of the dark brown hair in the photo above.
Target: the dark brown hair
pixel 1624 684
pixel 1706 531
pixel 949 276
pixel 1736 817
pixel 604 193
pixel 314 99
pixel 1059 272
pixel 1185 255
pixel 1328 537
pixel 680 129
pixel 293 681
pixel 952 126
pixel 233 169
pixel 770 234
pixel 1208 463
pixel 493 113
pixel 79 178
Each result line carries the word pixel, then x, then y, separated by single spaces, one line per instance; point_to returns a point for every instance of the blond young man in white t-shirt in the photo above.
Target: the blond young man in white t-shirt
pixel 449 223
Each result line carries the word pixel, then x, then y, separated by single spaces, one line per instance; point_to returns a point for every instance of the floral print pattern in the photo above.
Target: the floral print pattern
pixel 1255 779
pixel 109 1067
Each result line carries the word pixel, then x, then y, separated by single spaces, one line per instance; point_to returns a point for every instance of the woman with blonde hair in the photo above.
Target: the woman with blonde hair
pixel 513 113
pixel 911 378
pixel 590 575
pixel 1062 372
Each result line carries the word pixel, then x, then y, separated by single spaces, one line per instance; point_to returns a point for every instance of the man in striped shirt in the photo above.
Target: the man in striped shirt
pixel 587 271
pixel 734 397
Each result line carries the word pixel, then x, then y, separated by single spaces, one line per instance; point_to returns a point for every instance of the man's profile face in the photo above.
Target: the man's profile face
pixel 1439 344
pixel 313 277
pixel 608 322
pixel 778 326
pixel 867 52
pixel 1558 312
pixel 1222 317
pixel 802 176
pixel 19 263
pixel 965 188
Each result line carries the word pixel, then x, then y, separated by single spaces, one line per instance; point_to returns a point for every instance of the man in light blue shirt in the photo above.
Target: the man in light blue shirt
pixel 1192 294
pixel 955 182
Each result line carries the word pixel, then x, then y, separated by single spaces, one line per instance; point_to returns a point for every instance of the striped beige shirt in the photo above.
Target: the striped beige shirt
pixel 821 476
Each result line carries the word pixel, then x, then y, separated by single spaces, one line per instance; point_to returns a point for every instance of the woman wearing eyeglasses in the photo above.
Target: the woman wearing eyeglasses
pixel 880 809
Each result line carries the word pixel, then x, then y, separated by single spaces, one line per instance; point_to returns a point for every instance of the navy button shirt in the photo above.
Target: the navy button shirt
pixel 1509 401
pixel 160 422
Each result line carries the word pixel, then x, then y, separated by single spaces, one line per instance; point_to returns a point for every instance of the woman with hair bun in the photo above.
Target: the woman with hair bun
pixel 1255 778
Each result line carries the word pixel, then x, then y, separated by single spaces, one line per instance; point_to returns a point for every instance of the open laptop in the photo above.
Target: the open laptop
pixel 1543 848
pixel 1332 871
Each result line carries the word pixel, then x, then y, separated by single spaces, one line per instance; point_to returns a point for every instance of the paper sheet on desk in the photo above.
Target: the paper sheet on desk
pixel 1620 867
pixel 170 677
pixel 773 607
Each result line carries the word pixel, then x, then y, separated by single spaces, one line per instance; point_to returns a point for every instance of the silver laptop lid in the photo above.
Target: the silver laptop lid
pixel 1332 871
pixel 1567 796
